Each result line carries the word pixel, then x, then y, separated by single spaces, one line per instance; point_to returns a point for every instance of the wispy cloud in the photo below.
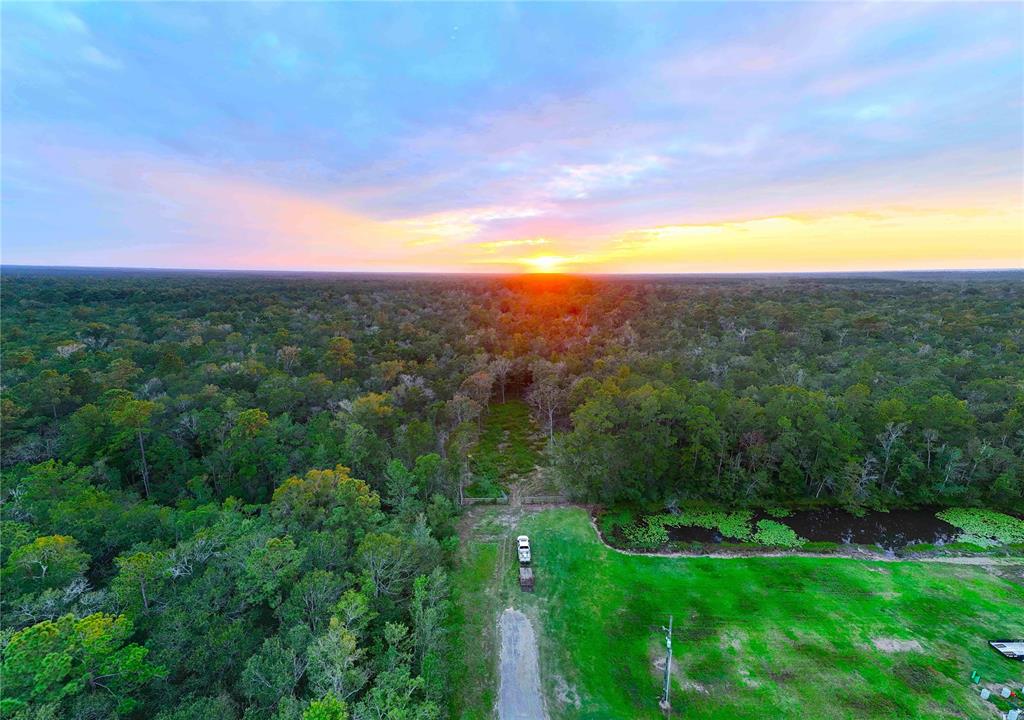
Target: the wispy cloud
pixel 504 244
pixel 95 56
pixel 851 80
pixel 461 224
pixel 580 181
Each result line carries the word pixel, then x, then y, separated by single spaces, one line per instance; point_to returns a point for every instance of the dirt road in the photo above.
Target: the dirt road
pixel 519 696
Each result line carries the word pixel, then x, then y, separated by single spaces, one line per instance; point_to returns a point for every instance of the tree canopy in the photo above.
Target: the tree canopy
pixel 234 495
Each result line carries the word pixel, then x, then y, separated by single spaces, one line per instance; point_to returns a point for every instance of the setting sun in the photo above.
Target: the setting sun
pixel 545 263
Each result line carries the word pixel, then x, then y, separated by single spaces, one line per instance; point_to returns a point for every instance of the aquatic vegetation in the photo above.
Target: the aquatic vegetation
pixel 985 528
pixel 646 535
pixel 775 534
pixel 651 531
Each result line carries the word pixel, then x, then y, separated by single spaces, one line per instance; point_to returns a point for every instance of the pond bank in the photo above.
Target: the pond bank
pixel 846 552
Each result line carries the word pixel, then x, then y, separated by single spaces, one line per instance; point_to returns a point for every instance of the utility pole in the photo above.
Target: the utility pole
pixel 664 704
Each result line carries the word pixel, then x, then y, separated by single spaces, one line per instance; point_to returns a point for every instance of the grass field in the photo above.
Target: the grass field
pixel 755 638
pixel 474 619
pixel 509 448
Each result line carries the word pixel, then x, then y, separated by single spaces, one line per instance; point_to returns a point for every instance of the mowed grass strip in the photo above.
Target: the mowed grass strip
pixel 766 637
pixel 472 631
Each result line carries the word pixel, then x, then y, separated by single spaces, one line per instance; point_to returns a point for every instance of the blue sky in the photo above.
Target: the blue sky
pixel 635 137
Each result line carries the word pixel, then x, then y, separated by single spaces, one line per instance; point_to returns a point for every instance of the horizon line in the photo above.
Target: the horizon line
pixel 499 273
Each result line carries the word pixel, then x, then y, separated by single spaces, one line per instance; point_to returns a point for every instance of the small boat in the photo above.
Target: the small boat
pixel 1013 649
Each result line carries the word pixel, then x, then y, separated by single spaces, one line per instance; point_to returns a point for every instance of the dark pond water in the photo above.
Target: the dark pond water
pixel 890 530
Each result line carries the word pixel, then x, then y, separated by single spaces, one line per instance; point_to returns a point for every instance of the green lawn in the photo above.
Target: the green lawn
pixel 755 638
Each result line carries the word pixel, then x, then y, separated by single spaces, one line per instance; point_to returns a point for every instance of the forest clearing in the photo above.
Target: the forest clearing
pixel 754 637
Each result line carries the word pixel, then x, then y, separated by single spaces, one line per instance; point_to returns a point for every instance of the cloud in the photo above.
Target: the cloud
pixel 189 214
pixel 192 216
pixel 58 18
pixel 95 56
pixel 781 45
pixel 580 181
pixel 852 80
pixel 745 144
pixel 46 45
pixel 502 244
pixel 461 224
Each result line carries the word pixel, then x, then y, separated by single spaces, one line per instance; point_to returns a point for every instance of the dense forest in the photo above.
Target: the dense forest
pixel 236 495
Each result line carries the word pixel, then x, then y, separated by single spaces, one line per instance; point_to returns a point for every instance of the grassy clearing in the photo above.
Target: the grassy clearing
pixel 762 637
pixel 508 449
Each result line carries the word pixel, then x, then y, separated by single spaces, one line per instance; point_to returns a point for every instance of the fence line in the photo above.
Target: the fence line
pixel 543 499
pixel 503 500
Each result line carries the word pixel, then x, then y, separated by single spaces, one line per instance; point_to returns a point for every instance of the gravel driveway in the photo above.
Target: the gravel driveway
pixel 519 696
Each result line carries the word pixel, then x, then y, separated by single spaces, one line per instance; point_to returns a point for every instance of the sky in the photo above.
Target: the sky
pixel 690 137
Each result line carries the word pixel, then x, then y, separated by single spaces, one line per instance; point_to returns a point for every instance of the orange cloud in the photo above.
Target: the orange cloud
pixel 241 223
pixel 876 240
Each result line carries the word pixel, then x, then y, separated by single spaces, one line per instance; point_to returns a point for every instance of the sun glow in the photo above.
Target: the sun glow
pixel 544 263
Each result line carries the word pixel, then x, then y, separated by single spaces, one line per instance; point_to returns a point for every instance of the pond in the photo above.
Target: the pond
pixel 889 530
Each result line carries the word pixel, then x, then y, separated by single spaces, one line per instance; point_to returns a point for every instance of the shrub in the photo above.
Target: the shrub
pixel 614 520
pixel 484 487
pixel 979 540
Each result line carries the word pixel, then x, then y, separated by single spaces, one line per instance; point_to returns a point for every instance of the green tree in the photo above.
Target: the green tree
pixel 269 569
pixel 87 434
pixel 140 577
pixel 328 707
pixel 254 454
pixel 121 372
pixel 272 673
pixel 55 661
pixel 429 616
pixel 334 662
pixel 311 599
pixel 49 389
pixel 387 560
pixel 396 695
pixel 339 357
pixel 310 501
pixel 51 561
pixel 130 419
